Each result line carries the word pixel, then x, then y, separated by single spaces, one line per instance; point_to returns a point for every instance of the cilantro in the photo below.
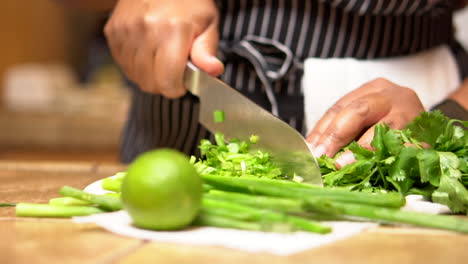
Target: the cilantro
pixel 439 172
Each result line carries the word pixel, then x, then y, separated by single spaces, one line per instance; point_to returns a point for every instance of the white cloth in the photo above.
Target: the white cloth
pixel 432 74
pixel 252 241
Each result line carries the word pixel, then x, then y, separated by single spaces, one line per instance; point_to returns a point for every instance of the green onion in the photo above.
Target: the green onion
pixel 218 116
pixel 253 139
pixel 47 210
pixel 67 201
pixel 105 202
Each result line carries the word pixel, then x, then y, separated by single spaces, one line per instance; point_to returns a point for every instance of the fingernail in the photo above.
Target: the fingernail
pixel 319 150
pixel 345 159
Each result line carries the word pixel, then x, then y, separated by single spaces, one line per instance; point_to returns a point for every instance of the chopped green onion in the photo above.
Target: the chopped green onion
pixel 218 116
pixel 254 139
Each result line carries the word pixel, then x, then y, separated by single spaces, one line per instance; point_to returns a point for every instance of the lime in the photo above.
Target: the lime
pixel 162 190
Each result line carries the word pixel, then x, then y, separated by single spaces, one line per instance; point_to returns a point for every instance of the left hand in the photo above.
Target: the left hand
pixel 355 115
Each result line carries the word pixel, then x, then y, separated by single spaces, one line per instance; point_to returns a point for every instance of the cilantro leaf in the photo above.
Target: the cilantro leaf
pixel 378 141
pixel 402 172
pixel 451 193
pixel 359 152
pixel 429 166
pixel 393 141
pixel 428 127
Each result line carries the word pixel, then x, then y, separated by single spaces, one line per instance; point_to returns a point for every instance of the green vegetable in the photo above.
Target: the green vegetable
pixel 111 184
pixel 286 205
pixel 253 139
pixel 289 189
pixel 218 116
pixel 266 217
pixel 7 204
pixel 47 210
pixel 368 212
pixel 226 222
pixel 402 162
pixel 162 190
pixel 68 201
pixel 104 202
pixel 234 158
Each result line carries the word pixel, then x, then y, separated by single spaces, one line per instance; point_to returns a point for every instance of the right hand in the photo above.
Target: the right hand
pixel 152 40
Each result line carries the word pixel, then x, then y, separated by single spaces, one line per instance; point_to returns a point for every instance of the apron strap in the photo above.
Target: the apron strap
pixel 271 60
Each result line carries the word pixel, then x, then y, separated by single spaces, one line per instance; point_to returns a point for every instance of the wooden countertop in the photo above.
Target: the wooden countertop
pixel 31 240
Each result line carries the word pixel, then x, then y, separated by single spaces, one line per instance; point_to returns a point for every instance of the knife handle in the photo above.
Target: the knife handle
pixel 192 79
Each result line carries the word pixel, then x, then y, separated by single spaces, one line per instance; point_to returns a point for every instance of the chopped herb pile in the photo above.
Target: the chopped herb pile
pixel 234 158
pixel 428 157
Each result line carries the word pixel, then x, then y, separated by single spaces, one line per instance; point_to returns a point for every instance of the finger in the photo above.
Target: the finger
pixel 126 59
pixel 170 60
pixel 322 125
pixel 394 120
pixel 344 159
pixel 204 49
pixel 351 120
pixel 367 88
pixel 143 62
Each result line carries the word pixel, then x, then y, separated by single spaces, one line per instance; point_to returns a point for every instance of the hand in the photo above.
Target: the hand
pixel 152 40
pixel 354 117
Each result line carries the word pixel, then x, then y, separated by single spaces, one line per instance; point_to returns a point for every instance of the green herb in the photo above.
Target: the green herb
pixel 402 162
pixel 253 139
pixel 218 116
pixel 234 158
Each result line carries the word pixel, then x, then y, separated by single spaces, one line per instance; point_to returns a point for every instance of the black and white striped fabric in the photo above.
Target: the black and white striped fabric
pixel 263 45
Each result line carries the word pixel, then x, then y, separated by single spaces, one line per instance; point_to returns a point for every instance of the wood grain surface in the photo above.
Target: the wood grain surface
pixel 32 240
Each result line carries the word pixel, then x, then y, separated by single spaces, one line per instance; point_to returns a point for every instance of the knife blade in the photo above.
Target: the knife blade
pixel 243 118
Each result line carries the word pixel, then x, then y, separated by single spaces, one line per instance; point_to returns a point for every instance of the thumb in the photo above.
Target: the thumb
pixel 203 52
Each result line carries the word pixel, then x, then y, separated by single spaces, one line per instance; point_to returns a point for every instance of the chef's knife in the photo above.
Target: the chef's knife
pixel 244 118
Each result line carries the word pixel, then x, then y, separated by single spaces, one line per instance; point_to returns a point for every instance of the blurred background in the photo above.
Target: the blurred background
pixel 61 97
